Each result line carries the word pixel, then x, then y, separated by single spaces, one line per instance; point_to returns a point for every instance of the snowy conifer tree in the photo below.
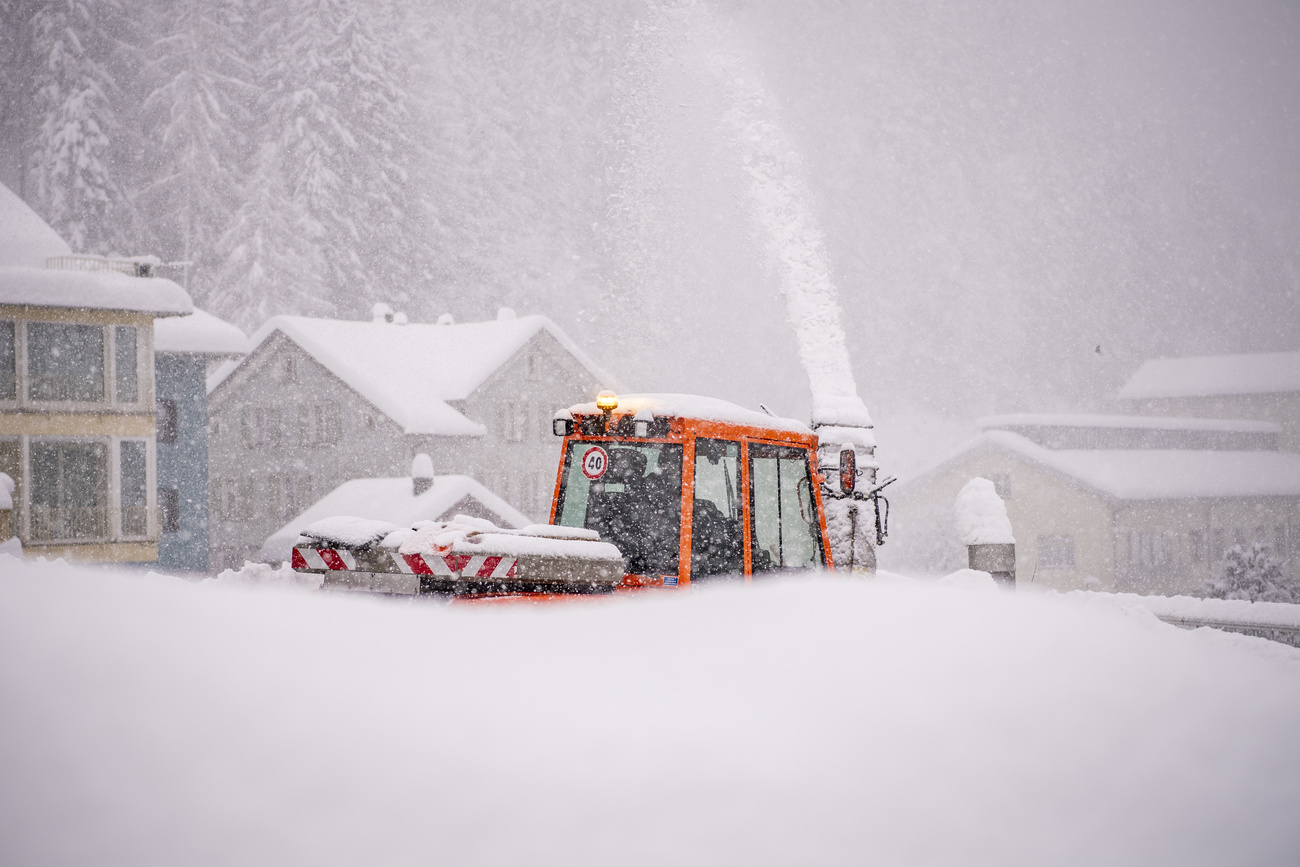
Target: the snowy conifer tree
pixel 336 141
pixel 196 117
pixel 271 264
pixel 72 184
pixel 1254 575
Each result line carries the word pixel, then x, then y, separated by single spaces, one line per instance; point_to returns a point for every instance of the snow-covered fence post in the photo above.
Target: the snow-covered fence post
pixel 985 530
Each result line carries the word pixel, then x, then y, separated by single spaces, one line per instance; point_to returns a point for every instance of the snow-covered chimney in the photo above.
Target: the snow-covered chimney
pixel 381 313
pixel 504 313
pixel 421 473
pixel 400 318
pixel 446 319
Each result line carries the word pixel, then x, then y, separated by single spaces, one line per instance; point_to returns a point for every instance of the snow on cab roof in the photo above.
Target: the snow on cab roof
pixel 1149 474
pixel 1125 421
pixel 199 333
pixel 695 406
pixel 392 500
pixel 409 371
pixel 26 240
pixel 1256 373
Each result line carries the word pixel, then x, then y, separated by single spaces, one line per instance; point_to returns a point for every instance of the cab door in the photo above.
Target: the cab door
pixel 785 532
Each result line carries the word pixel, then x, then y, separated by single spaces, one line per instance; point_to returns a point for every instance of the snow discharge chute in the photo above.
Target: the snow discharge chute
pixel 780 206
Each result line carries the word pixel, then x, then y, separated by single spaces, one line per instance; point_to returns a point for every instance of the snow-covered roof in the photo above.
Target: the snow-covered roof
pixel 1156 422
pixel 199 333
pixel 1150 474
pixel 1258 373
pixel 695 406
pixel 393 501
pixel 26 240
pixel 92 290
pixel 409 371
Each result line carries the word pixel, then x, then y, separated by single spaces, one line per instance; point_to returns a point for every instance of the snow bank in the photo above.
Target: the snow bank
pixel 1209 610
pixel 263 574
pixel 816 721
pixel 982 516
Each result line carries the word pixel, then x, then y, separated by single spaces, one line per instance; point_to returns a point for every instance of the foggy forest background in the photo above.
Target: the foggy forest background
pixel 1021 201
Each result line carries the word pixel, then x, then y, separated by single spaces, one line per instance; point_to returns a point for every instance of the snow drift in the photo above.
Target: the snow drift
pixel 147 721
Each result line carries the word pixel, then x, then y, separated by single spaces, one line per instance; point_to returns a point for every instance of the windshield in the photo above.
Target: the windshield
pixel 629 493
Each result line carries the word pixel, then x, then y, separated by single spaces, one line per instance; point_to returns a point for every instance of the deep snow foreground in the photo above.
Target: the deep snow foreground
pixel 148 721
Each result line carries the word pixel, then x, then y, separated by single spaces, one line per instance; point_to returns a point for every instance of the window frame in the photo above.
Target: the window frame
pixel 108 330
pixel 150 490
pixel 780 451
pixel 108 491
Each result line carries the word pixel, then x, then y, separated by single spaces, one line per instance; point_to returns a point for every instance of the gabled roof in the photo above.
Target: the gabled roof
pixel 409 372
pixel 1201 376
pixel 1149 474
pixel 26 240
pixel 392 500
pixel 200 333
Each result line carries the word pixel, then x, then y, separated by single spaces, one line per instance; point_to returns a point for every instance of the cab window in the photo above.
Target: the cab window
pixel 717 545
pixel 785 530
pixel 629 493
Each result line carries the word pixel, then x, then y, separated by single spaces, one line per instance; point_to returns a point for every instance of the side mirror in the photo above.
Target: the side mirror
pixel 562 427
pixel 848 470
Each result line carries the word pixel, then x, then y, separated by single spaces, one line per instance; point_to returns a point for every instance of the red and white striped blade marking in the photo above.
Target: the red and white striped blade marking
pixel 456 565
pixel 329 559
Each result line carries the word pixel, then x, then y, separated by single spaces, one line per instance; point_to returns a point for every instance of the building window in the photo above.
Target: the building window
pixel 1196 545
pixel 8 362
pixel 133 487
pixel 166 418
pixel 69 491
pixel 260 426
pixel 169 509
pixel 289 368
pixel 65 362
pixel 514 421
pixel 533 365
pixel 126 381
pixel 1056 552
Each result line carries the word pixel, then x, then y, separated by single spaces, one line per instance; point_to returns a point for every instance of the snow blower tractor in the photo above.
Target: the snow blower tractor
pixel 652 490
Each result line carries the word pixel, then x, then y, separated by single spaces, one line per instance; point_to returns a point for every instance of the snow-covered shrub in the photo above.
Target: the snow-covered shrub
pixel 1254 575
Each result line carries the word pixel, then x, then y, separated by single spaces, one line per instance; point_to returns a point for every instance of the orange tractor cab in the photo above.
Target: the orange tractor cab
pixel 691 488
pixel 653 490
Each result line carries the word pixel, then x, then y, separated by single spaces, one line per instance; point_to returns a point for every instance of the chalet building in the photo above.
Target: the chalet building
pixel 318 402
pixel 1262 386
pixel 184 348
pixel 1121 503
pixel 77 392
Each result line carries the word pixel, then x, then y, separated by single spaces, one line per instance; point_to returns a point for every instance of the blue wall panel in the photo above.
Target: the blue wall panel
pixel 183 465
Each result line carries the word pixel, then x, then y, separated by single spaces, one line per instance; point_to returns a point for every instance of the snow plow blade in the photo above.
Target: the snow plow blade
pixel 462 557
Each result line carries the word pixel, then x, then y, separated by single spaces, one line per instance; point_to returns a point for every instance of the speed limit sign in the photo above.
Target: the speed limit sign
pixel 594 462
